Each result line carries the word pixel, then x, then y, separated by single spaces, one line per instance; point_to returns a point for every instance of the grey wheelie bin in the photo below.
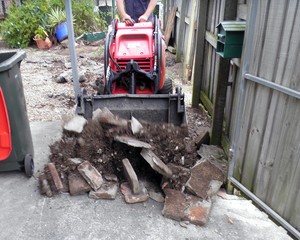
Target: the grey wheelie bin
pixel 16 147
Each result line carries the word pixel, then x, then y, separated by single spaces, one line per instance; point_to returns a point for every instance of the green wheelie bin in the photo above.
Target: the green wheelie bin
pixel 16 147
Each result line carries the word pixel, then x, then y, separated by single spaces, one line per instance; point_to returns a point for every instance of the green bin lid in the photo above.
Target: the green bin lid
pixel 233 25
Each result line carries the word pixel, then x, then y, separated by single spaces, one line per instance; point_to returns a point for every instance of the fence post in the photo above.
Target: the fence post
pixel 220 101
pixel 222 83
pixel 199 52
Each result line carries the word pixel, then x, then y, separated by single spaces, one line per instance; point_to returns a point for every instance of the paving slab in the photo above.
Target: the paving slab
pixel 132 142
pixel 91 175
pixel 108 190
pixel 205 180
pixel 156 164
pixel 131 176
pixel 25 214
pixel 77 184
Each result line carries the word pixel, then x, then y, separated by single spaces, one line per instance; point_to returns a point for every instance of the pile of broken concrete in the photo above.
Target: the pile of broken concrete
pixel 106 153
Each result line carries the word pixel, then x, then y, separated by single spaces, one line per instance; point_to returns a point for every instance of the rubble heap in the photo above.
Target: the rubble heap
pixel 99 155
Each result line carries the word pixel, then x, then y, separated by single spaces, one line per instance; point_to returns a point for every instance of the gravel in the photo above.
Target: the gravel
pixel 48 85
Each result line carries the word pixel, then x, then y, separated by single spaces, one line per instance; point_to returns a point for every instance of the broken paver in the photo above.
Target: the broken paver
pixel 91 175
pixel 131 176
pixel 136 126
pixel 107 117
pixel 77 184
pixel 55 177
pixel 211 152
pixel 134 198
pixel 174 204
pixel 180 176
pixel 45 188
pixel 108 190
pixel 111 177
pixel 184 207
pixel 197 211
pixel 156 163
pixel 202 174
pixel 156 196
pixel 132 142
pixel 179 172
pixel 214 187
pixel 75 161
pixel 202 136
pixel 97 114
pixel 75 124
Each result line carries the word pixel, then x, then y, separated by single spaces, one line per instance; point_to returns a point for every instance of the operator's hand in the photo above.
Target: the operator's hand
pixel 127 19
pixel 143 18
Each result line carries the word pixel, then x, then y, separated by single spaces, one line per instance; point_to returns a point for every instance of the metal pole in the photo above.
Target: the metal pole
pixel 113 9
pixel 266 208
pixel 68 7
pixel 275 86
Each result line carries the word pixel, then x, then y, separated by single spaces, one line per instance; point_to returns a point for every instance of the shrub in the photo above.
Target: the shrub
pixel 19 28
pixel 25 20
pixel 86 19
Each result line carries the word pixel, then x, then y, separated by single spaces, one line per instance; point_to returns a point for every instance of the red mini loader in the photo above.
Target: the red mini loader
pixel 135 85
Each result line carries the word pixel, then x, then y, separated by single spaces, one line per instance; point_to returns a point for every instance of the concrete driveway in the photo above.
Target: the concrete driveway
pixel 25 214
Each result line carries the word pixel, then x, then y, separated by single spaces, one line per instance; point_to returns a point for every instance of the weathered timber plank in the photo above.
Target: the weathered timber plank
pixel 278 107
pixel 242 11
pixel 188 54
pixel 179 47
pixel 206 102
pixel 275 19
pixel 209 14
pixel 170 25
pixel 213 17
pixel 284 170
pixel 250 88
pixel 284 181
pixel 290 207
pixel 211 38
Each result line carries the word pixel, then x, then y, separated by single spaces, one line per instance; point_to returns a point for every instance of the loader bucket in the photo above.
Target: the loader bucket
pixel 165 108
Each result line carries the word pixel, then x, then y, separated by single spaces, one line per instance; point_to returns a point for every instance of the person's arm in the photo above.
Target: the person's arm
pixel 148 12
pixel 124 16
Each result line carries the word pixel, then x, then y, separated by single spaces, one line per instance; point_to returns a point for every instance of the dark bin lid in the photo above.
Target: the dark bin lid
pixel 9 59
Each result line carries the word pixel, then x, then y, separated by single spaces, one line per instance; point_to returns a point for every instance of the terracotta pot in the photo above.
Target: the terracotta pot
pixel 42 44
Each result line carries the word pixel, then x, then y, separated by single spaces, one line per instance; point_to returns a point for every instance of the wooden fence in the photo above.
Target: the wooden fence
pixel 263 122
pixel 267 149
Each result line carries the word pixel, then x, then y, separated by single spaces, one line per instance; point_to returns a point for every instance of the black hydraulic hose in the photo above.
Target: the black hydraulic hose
pixel 111 37
pixel 155 36
pixel 156 53
pixel 159 56
pixel 106 60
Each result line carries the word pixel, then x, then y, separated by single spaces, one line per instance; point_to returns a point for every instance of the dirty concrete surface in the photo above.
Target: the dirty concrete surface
pixel 25 214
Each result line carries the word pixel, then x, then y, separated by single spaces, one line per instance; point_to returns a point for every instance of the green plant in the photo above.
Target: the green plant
pixel 41 33
pixel 56 17
pixel 86 19
pixel 19 28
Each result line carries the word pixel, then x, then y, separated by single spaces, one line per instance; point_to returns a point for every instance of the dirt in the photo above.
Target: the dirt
pixel 96 144
pixel 48 100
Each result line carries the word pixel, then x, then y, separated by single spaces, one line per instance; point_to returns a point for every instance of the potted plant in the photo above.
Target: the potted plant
pixel 57 21
pixel 41 38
